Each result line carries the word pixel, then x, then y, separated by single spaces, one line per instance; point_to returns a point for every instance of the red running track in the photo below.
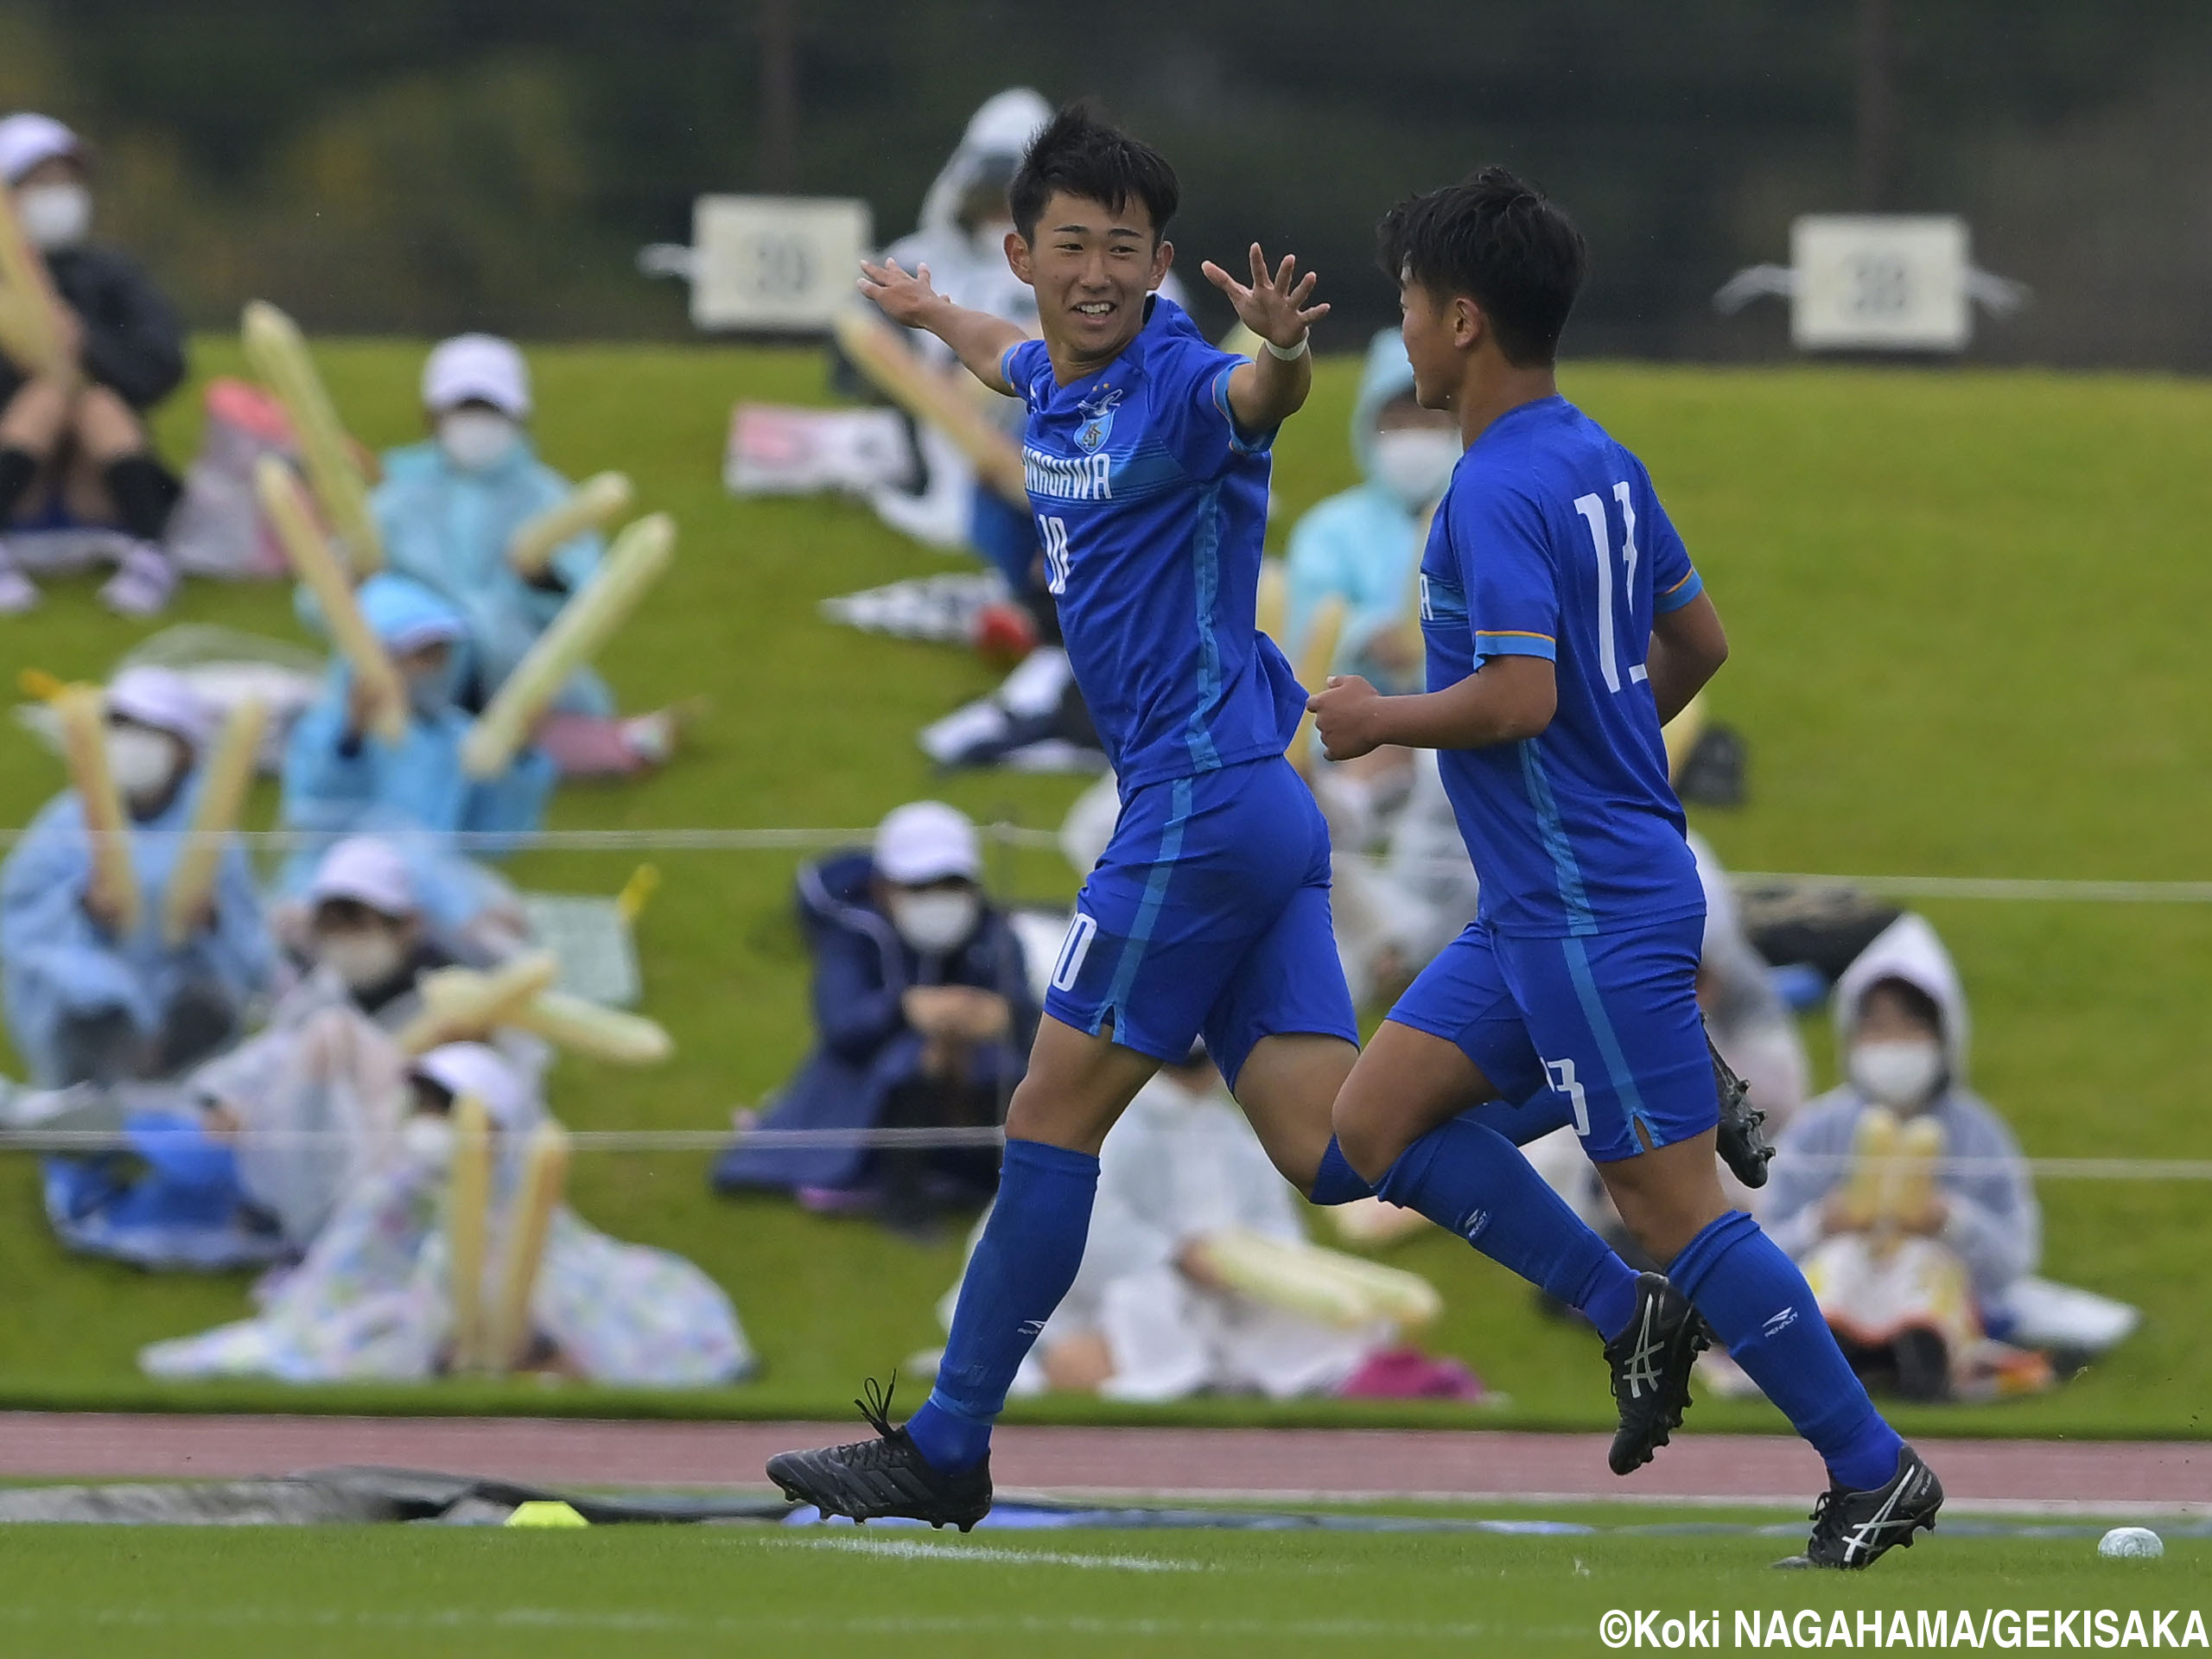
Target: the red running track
pixel 2056 1477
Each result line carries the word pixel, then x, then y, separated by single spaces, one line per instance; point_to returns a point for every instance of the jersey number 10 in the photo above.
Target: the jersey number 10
pixel 1592 509
pixel 1054 532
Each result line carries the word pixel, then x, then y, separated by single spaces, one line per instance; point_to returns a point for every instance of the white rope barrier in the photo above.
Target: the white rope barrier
pixel 702 839
pixel 88 1142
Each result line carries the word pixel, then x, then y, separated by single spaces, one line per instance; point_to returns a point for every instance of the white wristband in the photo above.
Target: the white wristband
pixel 1292 353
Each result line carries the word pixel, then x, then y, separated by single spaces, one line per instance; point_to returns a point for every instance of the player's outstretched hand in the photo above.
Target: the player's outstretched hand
pixel 1274 308
pixel 902 298
pixel 1347 712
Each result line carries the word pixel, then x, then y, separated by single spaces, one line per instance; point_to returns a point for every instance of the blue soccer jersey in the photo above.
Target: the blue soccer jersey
pixel 1151 508
pixel 1551 543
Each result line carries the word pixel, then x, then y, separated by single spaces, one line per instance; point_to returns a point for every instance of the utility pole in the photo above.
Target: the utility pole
pixel 1878 107
pixel 778 147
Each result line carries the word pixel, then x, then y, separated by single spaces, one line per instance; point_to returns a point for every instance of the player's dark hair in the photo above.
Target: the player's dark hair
pixel 1498 241
pixel 1082 154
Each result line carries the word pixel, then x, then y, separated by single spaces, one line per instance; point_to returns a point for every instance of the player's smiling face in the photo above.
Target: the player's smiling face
pixel 1091 266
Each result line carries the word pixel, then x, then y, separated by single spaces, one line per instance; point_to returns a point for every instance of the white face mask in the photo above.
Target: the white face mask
pixel 54 215
pixel 476 440
pixel 428 1140
pixel 364 958
pixel 1901 1075
pixel 140 761
pixel 1415 465
pixel 935 922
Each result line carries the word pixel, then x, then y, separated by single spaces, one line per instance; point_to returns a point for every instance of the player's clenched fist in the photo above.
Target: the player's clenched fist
pixel 1348 712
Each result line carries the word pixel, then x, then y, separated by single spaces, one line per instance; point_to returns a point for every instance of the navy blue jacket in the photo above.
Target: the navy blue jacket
pixel 863 1046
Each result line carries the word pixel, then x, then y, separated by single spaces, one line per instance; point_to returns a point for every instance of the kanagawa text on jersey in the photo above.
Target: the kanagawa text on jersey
pixel 1079 478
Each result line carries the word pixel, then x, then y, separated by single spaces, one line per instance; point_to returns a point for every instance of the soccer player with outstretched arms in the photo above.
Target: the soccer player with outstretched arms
pixel 1208 915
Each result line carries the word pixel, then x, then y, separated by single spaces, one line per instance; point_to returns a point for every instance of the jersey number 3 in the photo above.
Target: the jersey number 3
pixel 1592 509
pixel 1053 532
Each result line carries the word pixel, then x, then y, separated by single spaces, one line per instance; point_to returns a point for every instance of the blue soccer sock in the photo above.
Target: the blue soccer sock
pixel 1023 1265
pixel 1336 1181
pixel 1472 1180
pixel 1753 1296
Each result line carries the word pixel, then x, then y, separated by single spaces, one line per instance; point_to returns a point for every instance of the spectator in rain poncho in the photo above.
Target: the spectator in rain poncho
pixel 923 1017
pixel 85 1002
pixel 312 1102
pixel 447 509
pixel 246 1159
pixel 1363 545
pixel 1905 1280
pixel 961 236
pixel 372 1298
pixel 1145 1319
pixel 342 779
pixel 1362 548
pixel 79 457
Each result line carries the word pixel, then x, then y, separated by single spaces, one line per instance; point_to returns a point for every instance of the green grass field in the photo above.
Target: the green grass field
pixel 338 1591
pixel 1965 609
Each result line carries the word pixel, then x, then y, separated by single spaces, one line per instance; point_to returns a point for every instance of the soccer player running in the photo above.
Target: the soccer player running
pixel 1147 457
pixel 1564 624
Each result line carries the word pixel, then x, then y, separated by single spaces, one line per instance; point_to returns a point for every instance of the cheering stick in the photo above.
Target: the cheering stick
pixel 228 775
pixel 286 506
pixel 278 353
pixel 638 556
pixel 594 503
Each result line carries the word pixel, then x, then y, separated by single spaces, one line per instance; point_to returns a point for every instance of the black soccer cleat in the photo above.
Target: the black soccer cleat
pixel 1651 1363
pixel 1742 1142
pixel 888 1475
pixel 1854 1530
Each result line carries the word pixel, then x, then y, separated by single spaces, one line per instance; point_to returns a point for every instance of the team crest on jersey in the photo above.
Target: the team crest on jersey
pixel 1098 412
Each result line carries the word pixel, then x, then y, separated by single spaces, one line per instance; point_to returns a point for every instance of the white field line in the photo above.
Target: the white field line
pixel 916 1549
pixel 1221 1496
pixel 656 1623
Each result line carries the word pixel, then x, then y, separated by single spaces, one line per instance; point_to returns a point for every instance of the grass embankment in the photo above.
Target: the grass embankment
pixel 1965 611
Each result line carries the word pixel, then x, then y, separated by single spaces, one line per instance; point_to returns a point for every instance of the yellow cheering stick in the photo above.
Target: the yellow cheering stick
pixel 1681 734
pixel 83 711
pixel 590 1028
pixel 1322 1284
pixel 227 776
pixel 593 504
pixel 286 506
pixel 460 1004
pixel 544 1179
pixel 1271 605
pixel 879 351
pixel 468 1221
pixel 637 892
pixel 638 556
pixel 1322 630
pixel 278 353
pixel 32 332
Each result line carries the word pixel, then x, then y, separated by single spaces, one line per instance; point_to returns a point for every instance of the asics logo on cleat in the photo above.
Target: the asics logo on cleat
pixel 1643 1369
pixel 1866 1538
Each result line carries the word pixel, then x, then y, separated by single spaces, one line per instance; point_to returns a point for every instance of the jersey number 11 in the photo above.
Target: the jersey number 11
pixel 1592 509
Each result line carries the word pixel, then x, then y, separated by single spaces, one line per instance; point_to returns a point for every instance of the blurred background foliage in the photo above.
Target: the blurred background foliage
pixel 420 166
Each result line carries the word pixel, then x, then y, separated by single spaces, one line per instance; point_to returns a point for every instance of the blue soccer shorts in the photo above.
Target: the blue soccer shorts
pixel 1606 1025
pixel 1207 915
